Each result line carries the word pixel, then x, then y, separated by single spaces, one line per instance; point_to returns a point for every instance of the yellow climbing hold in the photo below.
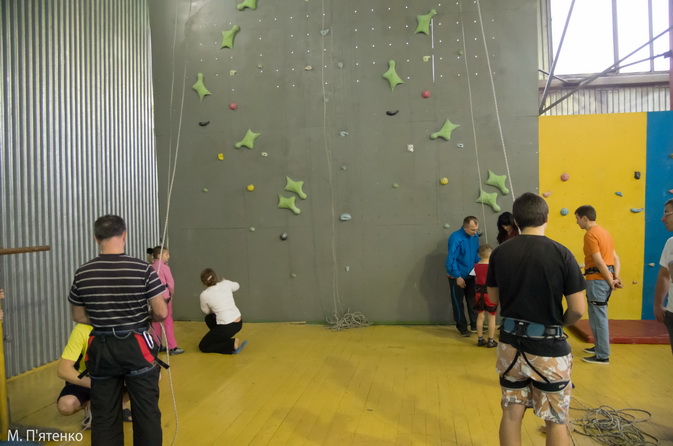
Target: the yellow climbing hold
pixel 220 156
pixel 251 187
pixel 444 180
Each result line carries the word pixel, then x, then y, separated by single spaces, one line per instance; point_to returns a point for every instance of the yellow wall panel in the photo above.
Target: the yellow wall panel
pixel 600 153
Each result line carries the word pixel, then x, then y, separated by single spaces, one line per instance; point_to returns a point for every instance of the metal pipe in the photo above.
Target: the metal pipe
pixel 556 56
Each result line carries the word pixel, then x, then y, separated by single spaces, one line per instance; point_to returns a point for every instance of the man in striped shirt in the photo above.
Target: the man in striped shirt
pixel 115 294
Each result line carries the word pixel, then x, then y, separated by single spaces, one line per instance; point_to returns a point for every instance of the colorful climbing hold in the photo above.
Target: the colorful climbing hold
pixel 296 187
pixel 200 87
pixel 546 194
pixel 395 185
pixel 410 147
pixel 252 229
pixel 445 132
pixel 497 181
pixel 293 275
pixel 288 203
pixel 391 76
pixel 489 199
pixel 233 106
pixel 220 156
pixel 345 217
pixel 205 189
pixel 447 226
pixel 252 4
pixel 619 194
pixel 444 181
pixel 204 123
pixel 392 113
pixel 426 94
pixel 250 187
pixel 565 211
pixel 565 177
pixel 248 140
pixel 283 236
pixel 264 154
pixel 636 175
pixel 424 22
pixel 637 210
pixel 228 37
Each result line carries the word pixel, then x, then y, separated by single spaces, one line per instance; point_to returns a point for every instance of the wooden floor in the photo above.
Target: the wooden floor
pixel 384 385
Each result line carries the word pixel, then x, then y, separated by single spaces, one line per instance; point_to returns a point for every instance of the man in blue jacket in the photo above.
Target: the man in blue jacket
pixel 463 247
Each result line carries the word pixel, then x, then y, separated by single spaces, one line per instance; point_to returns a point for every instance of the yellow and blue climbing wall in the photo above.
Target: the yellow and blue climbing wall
pixel 620 164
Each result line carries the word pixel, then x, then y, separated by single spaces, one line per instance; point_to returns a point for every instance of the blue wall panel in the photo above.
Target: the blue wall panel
pixel 659 182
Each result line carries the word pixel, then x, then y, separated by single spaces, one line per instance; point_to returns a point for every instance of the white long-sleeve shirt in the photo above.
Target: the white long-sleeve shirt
pixel 219 299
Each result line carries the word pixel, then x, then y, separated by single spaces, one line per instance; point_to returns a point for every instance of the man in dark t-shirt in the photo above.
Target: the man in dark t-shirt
pixel 113 293
pixel 529 276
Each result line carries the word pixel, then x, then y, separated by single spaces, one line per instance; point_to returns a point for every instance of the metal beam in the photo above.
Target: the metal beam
pixel 556 56
pixel 612 67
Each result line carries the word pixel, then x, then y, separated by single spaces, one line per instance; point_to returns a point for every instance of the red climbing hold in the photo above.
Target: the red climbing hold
pixel 426 94
pixel 233 106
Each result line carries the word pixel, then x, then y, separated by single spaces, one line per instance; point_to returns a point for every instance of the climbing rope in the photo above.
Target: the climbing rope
pixel 348 320
pixel 495 99
pixel 613 427
pixel 474 129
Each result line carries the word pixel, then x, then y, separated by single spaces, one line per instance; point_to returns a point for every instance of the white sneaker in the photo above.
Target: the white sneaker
pixel 86 422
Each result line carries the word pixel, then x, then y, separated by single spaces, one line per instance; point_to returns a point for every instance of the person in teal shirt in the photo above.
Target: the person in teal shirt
pixel 463 254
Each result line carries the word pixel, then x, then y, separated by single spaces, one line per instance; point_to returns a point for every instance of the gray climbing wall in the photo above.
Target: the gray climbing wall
pixel 307 75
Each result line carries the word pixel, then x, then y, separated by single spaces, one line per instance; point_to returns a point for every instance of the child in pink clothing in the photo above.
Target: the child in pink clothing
pixel 159 256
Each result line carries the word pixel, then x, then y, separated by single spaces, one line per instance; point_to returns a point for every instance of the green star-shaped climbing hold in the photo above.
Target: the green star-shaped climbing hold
pixel 424 22
pixel 295 186
pixel 445 131
pixel 228 37
pixel 288 203
pixel 248 140
pixel 489 199
pixel 199 86
pixel 497 181
pixel 391 76
pixel 252 4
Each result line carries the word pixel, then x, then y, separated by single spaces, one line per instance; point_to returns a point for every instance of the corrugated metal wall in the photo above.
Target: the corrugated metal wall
pixel 610 100
pixel 77 142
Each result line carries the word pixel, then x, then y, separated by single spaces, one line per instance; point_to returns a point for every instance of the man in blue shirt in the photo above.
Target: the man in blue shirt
pixel 463 247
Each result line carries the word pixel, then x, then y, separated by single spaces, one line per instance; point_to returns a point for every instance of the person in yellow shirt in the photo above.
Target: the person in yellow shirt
pixel 76 393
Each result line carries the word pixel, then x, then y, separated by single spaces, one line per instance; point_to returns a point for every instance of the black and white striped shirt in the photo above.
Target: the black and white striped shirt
pixel 115 289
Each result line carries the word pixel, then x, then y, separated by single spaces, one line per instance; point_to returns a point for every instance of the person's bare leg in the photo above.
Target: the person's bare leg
pixel 557 434
pixel 236 343
pixel 491 326
pixel 480 324
pixel 510 424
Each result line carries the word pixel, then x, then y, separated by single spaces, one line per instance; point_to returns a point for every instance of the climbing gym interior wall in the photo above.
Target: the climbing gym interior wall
pixel 621 165
pixel 323 150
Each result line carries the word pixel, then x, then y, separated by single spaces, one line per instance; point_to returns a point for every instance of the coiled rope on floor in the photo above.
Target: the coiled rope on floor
pixel 348 320
pixel 614 427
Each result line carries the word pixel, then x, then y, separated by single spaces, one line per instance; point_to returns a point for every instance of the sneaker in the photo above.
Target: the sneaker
pixel 596 360
pixel 491 343
pixel 591 350
pixel 86 422
pixel 465 333
pixel 176 351
pixel 481 342
pixel 473 329
pixel 162 349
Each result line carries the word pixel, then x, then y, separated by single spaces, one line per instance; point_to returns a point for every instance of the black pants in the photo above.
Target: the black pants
pixel 113 361
pixel 460 298
pixel 220 337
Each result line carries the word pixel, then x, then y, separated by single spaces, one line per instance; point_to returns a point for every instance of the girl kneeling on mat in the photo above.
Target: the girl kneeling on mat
pixel 222 316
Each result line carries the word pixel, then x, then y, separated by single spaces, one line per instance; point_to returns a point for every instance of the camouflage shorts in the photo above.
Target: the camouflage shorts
pixel 551 406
